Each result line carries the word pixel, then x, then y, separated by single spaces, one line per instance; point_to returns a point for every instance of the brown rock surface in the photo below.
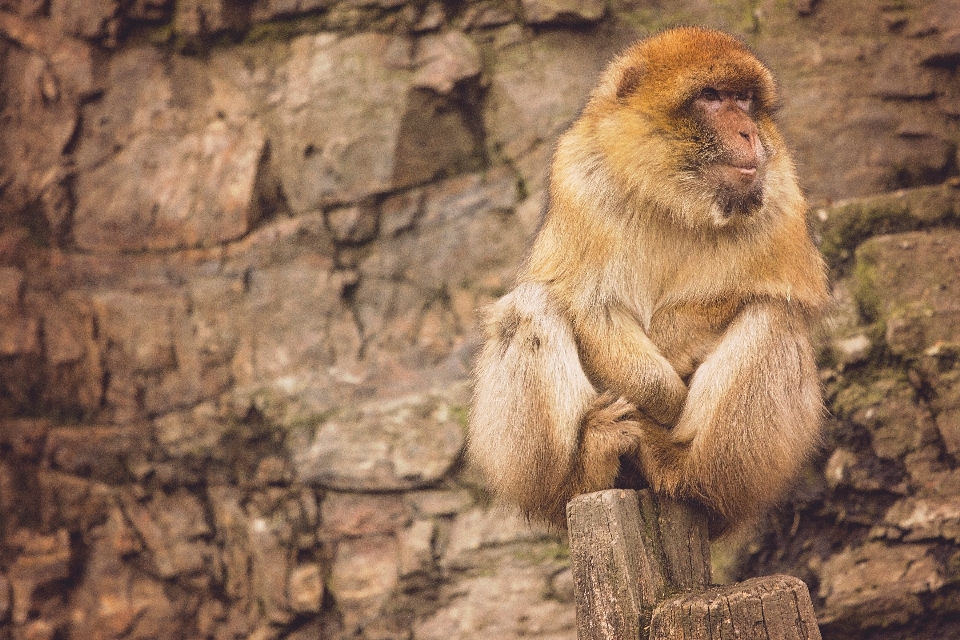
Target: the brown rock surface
pixel 545 11
pixel 243 246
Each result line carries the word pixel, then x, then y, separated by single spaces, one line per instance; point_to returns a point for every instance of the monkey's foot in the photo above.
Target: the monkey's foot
pixel 611 429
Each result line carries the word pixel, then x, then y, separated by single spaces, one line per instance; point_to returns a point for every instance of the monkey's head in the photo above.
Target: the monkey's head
pixel 685 118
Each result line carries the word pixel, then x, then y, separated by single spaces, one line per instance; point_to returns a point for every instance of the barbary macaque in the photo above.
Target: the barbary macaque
pixel 661 323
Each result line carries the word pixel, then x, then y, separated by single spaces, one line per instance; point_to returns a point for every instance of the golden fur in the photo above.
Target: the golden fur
pixel 650 325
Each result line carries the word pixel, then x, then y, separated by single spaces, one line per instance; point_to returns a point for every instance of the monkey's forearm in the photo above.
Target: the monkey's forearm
pixel 619 355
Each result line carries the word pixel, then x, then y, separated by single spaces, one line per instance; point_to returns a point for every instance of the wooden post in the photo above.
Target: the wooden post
pixel 641 570
pixel 757 609
pixel 629 550
pixel 604 528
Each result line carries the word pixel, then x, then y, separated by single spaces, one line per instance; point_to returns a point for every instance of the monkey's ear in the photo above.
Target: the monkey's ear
pixel 629 82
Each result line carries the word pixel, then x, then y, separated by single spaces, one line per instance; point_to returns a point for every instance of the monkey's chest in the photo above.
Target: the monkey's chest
pixel 687 333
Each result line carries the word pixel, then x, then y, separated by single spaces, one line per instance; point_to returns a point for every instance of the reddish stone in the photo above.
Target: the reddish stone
pixel 349 515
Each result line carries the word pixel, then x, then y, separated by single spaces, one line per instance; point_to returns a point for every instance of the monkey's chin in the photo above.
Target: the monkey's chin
pixel 719 218
pixel 733 205
pixel 736 193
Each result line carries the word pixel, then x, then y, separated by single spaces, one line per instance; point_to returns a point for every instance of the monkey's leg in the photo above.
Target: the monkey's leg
pixel 538 432
pixel 751 418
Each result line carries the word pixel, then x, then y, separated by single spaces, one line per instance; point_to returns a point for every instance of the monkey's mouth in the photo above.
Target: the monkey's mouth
pixel 738 176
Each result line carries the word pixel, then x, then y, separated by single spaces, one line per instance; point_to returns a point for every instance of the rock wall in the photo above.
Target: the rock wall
pixel 242 246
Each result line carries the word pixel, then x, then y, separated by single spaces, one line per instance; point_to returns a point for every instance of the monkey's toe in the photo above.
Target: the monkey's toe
pixel 610 407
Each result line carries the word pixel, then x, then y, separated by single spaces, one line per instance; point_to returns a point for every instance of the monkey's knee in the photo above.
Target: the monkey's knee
pixel 528 323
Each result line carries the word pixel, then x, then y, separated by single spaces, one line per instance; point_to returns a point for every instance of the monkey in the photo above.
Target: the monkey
pixel 659 332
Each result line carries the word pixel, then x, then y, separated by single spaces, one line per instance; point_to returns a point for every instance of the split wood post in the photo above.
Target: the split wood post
pixel 641 570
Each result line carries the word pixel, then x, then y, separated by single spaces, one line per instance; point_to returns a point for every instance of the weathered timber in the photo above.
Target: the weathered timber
pixel 676 542
pixel 772 607
pixel 641 570
pixel 604 532
pixel 630 550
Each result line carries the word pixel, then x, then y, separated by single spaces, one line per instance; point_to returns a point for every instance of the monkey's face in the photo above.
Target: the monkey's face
pixel 729 153
pixel 684 121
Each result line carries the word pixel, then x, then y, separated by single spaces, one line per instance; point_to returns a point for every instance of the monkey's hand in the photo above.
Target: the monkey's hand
pixel 612 424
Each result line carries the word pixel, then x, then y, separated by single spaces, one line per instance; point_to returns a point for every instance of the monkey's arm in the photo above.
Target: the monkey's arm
pixel 539 432
pixel 751 418
pixel 618 354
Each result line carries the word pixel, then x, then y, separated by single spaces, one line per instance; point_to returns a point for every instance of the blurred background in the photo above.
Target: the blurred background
pixel 242 248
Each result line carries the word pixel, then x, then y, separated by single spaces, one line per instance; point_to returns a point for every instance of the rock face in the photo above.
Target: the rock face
pixel 242 250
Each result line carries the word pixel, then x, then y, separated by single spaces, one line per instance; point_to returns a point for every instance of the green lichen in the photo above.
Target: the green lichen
pixel 845 226
pixel 749 21
pixel 858 395
pixel 896 5
pixel 651 20
pixel 161 35
pixel 865 290
pixel 545 552
pixel 284 30
pixel 523 191
pixel 851 223
pixel 461 415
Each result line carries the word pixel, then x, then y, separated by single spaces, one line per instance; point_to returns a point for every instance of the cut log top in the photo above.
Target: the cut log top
pixel 641 569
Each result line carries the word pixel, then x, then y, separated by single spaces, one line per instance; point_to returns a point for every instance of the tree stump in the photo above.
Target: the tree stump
pixel 629 550
pixel 641 569
pixel 756 609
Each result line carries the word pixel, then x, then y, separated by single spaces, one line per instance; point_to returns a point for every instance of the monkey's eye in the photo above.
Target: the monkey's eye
pixel 710 95
pixel 744 100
